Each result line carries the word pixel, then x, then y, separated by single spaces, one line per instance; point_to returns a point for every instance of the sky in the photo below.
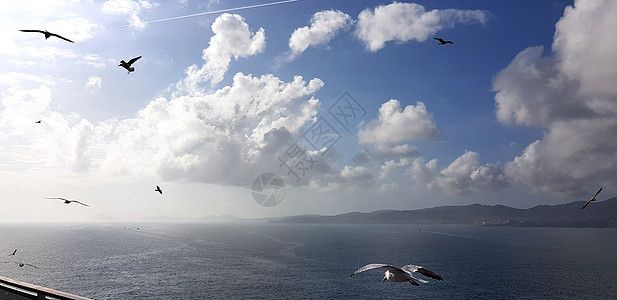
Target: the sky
pixel 347 105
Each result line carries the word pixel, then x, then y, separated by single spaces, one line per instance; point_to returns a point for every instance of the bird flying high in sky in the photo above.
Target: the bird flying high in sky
pixel 46 33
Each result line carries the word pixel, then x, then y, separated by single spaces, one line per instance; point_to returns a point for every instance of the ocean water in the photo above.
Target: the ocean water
pixel 300 261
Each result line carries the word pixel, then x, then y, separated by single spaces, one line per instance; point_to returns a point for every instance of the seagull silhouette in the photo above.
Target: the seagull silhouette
pixel 591 199
pixel 20 264
pixel 13 252
pixel 67 201
pixel 46 33
pixel 38 122
pixel 158 189
pixel 442 42
pixel 402 274
pixel 127 65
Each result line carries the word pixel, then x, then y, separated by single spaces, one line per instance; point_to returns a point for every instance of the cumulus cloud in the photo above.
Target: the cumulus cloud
pixel 357 173
pixel 573 96
pixel 94 82
pixel 390 165
pixel 422 172
pixel 232 38
pixel 592 66
pixel 465 175
pixel 395 125
pixel 403 22
pixel 324 26
pixel 60 141
pixel 532 91
pixel 226 137
pixel 128 8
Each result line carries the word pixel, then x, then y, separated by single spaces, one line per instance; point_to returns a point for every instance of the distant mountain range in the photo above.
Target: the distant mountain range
pixel 597 214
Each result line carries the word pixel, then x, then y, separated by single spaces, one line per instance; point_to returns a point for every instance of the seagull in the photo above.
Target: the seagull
pixel 158 189
pixel 67 201
pixel 20 264
pixel 442 42
pixel 47 34
pixel 402 274
pixel 38 122
pixel 13 252
pixel 127 65
pixel 592 199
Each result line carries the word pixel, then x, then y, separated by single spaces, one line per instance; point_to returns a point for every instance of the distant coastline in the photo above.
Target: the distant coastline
pixel 602 214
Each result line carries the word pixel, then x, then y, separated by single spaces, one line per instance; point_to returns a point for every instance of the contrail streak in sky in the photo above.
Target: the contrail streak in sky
pixel 210 13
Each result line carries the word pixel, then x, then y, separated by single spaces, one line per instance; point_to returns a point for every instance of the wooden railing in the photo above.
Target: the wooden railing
pixel 13 289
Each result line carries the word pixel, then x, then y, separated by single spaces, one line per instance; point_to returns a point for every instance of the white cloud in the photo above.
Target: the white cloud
pixel 403 22
pixel 533 91
pixel 465 175
pixel 232 38
pixel 94 82
pixel 395 125
pixel 422 172
pixel 390 165
pixel 128 8
pixel 390 188
pixel 357 173
pixel 572 94
pixel 15 78
pixel 586 41
pixel 324 26
pixel 226 137
pixel 74 28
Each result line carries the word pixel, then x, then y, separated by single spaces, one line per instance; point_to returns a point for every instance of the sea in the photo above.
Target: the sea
pixel 245 260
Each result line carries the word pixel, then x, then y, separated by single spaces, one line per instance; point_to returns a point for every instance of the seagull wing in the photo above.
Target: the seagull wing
pixel 59 198
pixel 31 30
pixel 133 60
pixel 84 204
pixel 592 198
pixel 13 252
pixel 440 40
pixel 375 266
pixel 30 265
pixel 421 270
pixel 59 36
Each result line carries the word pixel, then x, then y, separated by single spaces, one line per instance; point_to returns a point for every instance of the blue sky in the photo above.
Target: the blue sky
pixel 518 111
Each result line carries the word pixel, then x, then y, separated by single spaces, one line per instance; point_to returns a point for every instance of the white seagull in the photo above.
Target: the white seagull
pixel 68 201
pixel 402 274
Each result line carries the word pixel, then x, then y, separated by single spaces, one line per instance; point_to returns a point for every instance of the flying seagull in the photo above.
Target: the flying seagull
pixel 592 199
pixel 38 122
pixel 127 65
pixel 67 201
pixel 47 34
pixel 13 252
pixel 20 264
pixel 158 189
pixel 442 42
pixel 403 274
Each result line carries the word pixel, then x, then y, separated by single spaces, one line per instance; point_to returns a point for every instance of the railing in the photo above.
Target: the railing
pixel 12 289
